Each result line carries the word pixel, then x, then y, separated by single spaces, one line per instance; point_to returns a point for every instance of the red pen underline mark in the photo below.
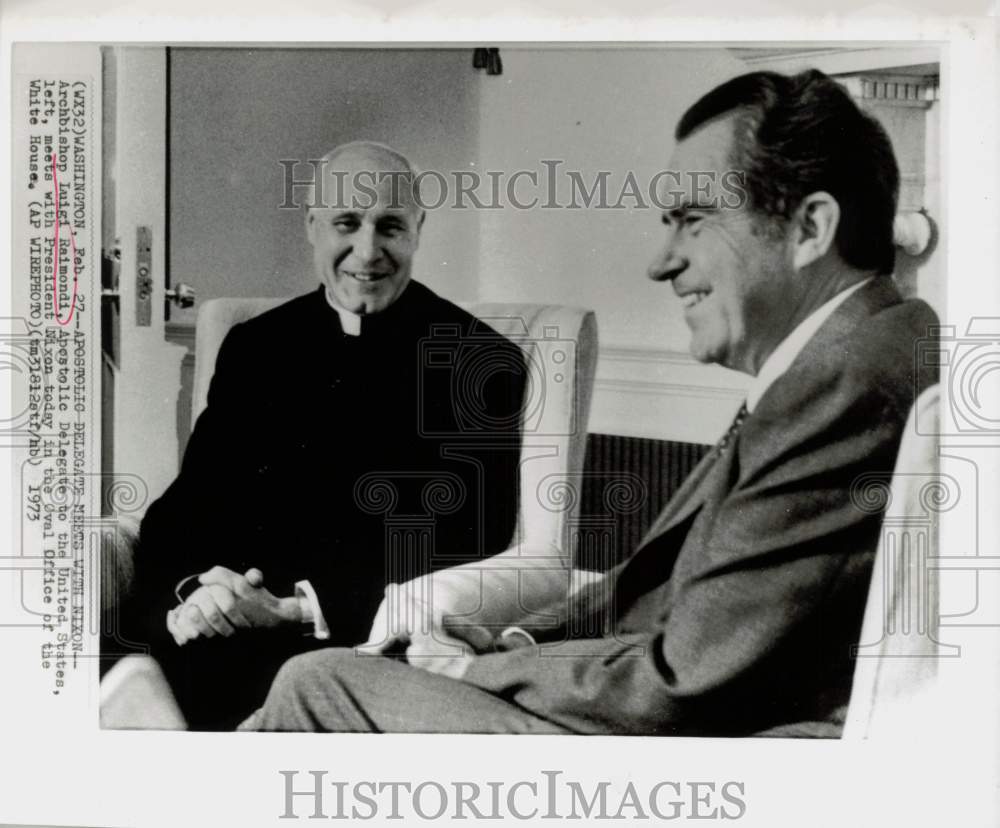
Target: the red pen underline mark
pixel 55 258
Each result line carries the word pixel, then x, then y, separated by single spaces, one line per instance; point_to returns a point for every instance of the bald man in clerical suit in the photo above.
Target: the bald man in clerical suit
pixel 737 613
pixel 323 414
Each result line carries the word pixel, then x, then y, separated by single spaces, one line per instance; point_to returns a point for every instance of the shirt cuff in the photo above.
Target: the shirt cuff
pixel 311 610
pixel 186 587
pixel 514 638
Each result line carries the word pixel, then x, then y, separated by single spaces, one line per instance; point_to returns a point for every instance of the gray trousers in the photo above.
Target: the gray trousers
pixel 336 690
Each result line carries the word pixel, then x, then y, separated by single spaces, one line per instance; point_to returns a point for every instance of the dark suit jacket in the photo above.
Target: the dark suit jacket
pixel 347 461
pixel 738 611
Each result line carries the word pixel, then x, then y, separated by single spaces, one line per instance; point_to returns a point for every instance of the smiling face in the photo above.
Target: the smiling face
pixel 363 246
pixel 731 270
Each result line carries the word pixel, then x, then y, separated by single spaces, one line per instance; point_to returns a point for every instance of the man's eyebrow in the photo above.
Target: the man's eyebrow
pixel 679 210
pixel 686 207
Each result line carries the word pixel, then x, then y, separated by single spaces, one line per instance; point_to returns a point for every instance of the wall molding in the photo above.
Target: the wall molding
pixel 668 389
pixel 837 60
pixel 657 393
pixel 663 394
pixel 656 355
pixel 893 90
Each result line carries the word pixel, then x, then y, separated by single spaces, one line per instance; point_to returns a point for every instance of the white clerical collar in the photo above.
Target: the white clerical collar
pixel 349 321
pixel 784 355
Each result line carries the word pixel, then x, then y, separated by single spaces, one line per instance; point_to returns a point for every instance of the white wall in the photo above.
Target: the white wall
pixel 615 110
pixel 612 109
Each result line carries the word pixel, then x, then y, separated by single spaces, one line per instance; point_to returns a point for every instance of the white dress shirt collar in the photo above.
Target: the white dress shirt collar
pixel 349 321
pixel 784 355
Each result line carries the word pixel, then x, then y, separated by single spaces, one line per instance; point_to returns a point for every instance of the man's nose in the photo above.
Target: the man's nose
pixel 668 264
pixel 366 244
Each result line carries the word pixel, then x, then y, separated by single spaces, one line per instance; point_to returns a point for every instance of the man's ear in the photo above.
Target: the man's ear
pixel 815 227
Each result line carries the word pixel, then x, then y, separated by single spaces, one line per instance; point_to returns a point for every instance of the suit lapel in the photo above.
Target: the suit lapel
pixel 713 477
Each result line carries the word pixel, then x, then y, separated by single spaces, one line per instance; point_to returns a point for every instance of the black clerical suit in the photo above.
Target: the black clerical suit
pixel 347 461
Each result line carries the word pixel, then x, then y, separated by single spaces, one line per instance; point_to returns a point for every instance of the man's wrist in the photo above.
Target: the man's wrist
pixel 186 587
pixel 290 610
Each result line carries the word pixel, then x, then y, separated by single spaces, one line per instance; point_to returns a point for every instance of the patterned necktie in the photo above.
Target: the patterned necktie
pixel 731 432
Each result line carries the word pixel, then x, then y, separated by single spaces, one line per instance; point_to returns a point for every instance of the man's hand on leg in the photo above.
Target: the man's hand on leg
pixel 408 618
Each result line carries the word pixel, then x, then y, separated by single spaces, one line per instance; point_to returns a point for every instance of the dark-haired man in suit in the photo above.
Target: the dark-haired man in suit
pixel 737 613
pixel 272 534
